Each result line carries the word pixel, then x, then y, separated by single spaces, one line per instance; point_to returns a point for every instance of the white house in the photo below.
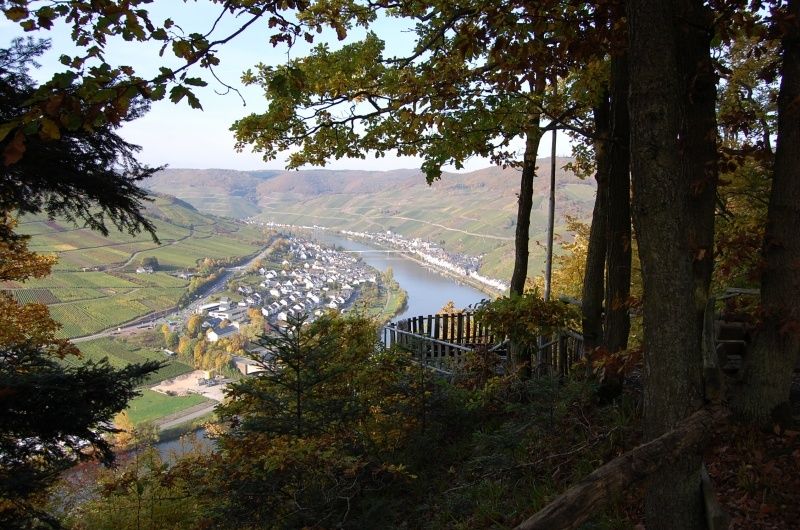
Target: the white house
pixel 215 333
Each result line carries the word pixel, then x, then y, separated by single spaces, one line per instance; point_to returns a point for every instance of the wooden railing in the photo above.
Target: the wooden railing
pixel 459 328
pixel 443 341
pixel 557 353
pixel 440 341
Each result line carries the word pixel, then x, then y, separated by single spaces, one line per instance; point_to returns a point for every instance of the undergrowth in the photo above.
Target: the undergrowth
pixel 529 441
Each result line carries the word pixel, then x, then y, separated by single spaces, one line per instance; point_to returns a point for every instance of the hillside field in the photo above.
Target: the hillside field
pixel 151 405
pixel 94 285
pixel 121 353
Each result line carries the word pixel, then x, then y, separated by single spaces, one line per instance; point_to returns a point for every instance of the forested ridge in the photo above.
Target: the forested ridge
pixel 682 412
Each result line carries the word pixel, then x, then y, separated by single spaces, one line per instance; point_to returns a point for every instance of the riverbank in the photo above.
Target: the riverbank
pixel 383 300
pixel 409 255
pixel 427 289
pixel 466 280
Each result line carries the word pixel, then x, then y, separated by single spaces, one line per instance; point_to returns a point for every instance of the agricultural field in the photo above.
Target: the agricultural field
pixel 187 253
pixel 94 285
pixel 151 405
pixel 88 302
pixel 122 353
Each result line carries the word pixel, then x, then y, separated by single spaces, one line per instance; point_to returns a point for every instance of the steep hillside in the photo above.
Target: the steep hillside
pixel 316 182
pixel 471 212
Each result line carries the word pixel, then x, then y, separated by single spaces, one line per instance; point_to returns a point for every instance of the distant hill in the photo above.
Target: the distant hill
pixel 217 191
pixel 471 212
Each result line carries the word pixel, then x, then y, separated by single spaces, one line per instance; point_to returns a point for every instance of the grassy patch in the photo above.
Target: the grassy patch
pixel 151 405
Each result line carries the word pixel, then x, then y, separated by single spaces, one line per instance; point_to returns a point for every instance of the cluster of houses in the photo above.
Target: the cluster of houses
pixel 311 279
pixel 452 262
pixel 315 278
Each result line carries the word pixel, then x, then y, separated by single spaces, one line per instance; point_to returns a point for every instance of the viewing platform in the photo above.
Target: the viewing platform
pixel 444 341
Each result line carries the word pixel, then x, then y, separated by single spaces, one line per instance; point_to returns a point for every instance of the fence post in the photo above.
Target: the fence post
pixel 562 353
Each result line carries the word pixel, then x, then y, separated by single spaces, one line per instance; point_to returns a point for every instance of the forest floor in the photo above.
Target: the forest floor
pixel 757 474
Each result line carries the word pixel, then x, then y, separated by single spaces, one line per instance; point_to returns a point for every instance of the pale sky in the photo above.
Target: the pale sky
pixel 182 137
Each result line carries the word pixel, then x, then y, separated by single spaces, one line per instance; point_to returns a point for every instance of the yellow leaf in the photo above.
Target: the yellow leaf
pixel 49 130
pixel 16 14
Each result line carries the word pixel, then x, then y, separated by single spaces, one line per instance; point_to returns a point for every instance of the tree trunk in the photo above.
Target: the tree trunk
pixel 551 212
pixel 594 273
pixel 773 352
pixel 617 319
pixel 699 142
pixel 673 364
pixel 522 235
pixel 520 354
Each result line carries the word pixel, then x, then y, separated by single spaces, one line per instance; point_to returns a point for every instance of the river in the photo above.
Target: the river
pixel 427 290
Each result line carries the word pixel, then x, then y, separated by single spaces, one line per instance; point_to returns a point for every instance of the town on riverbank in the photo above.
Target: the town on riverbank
pixel 463 267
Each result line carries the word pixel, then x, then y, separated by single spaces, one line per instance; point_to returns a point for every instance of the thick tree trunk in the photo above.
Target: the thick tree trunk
pixel 773 352
pixel 594 272
pixel 617 319
pixel 522 234
pixel 673 363
pixel 699 142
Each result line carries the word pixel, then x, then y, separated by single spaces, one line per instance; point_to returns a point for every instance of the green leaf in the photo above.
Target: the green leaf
pixel 177 93
pixel 158 93
pixel 193 101
pixel 164 72
pixel 195 81
pixel 181 49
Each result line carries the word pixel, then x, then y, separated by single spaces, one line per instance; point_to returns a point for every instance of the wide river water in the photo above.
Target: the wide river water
pixel 427 290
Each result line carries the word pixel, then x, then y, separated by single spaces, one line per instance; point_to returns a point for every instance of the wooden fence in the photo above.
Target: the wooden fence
pixel 443 341
pixel 558 352
pixel 440 341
